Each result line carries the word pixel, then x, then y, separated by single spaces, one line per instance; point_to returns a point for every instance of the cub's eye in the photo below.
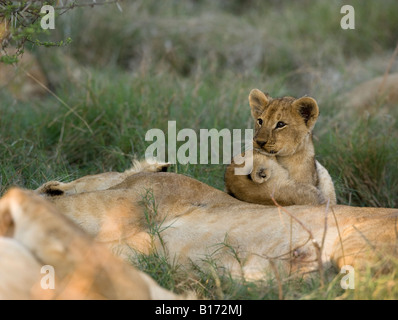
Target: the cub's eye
pixel 260 121
pixel 280 124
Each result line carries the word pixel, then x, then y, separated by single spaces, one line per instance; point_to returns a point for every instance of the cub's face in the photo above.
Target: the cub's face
pixel 281 124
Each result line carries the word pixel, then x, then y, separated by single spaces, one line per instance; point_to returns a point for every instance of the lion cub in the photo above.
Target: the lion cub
pixel 284 165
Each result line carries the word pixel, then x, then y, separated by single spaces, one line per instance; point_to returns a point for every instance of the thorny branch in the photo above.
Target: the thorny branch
pixel 18 17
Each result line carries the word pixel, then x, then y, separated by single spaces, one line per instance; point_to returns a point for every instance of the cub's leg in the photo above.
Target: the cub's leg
pixel 290 192
pixel 267 180
pixel 325 184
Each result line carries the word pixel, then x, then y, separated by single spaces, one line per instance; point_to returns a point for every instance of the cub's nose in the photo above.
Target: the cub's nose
pixel 261 143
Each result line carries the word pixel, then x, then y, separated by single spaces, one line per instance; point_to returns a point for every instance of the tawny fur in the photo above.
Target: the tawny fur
pixel 33 234
pixel 198 222
pixel 284 165
pixel 101 181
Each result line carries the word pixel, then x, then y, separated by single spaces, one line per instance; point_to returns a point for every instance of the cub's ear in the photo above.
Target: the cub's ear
pixel 258 101
pixel 308 109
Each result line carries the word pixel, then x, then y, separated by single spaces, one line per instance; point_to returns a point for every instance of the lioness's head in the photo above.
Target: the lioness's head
pixel 281 124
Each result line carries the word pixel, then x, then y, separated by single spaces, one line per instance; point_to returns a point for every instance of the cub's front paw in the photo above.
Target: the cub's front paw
pixel 260 175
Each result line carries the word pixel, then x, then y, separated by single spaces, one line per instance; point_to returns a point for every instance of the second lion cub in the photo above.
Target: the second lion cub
pixel 284 165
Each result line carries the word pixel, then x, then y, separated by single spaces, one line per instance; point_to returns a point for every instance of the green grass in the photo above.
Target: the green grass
pixel 195 62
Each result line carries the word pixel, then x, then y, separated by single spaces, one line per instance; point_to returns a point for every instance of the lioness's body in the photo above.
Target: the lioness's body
pixel 100 181
pixel 284 165
pixel 34 234
pixel 199 221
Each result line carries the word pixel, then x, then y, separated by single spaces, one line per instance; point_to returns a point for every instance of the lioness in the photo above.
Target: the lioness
pixel 284 165
pixel 198 222
pixel 101 181
pixel 33 234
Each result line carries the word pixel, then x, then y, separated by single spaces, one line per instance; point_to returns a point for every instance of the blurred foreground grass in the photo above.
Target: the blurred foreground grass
pixel 195 62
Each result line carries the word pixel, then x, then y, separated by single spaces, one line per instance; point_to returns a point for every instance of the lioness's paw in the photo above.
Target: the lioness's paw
pixel 51 188
pixel 160 166
pixel 151 165
pixel 260 175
